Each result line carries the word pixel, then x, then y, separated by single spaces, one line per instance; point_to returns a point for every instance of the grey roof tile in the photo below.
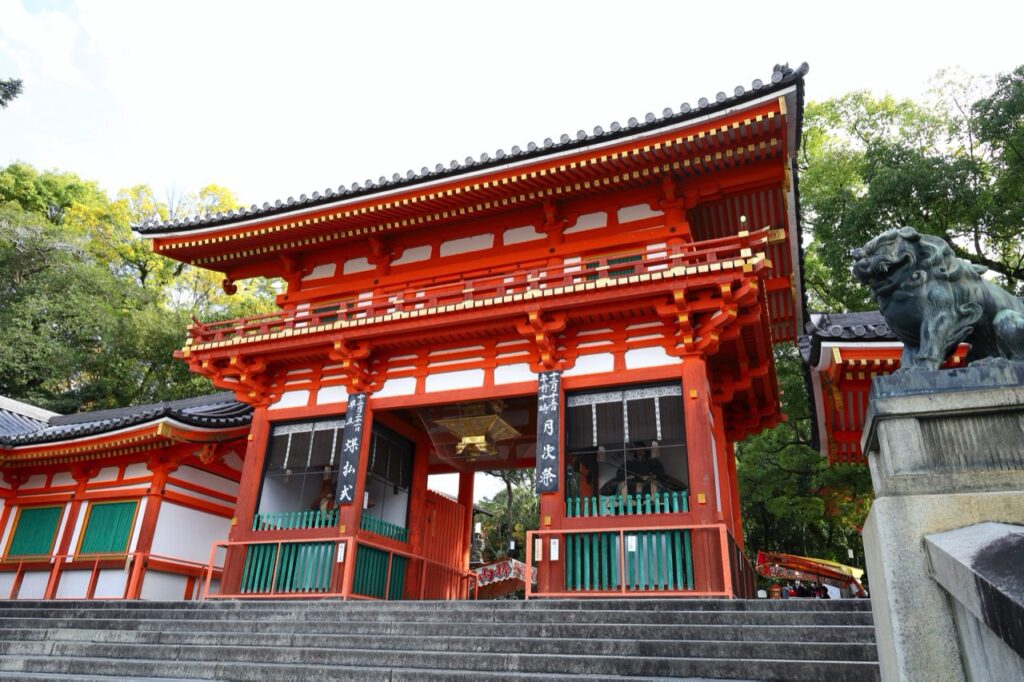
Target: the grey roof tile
pixel 782 76
pixel 219 410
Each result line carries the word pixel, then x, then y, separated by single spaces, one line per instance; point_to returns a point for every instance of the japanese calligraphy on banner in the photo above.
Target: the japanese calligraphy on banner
pixel 549 396
pixel 351 441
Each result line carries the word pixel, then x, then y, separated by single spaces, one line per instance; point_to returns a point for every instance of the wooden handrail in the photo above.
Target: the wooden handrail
pixel 431 293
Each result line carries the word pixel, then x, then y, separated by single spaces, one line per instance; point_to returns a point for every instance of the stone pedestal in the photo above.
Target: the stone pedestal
pixel 946 450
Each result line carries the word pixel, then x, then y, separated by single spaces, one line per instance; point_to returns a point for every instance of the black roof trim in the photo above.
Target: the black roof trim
pixel 863 327
pixel 782 77
pixel 219 410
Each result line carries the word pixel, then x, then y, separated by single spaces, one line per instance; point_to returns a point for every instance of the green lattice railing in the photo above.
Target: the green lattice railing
pixel 654 560
pixel 617 505
pixel 295 520
pixel 384 528
pixel 297 567
pixel 371 576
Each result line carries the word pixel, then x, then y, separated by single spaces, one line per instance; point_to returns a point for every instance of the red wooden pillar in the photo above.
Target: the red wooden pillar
pixel 552 514
pixel 252 471
pixel 737 514
pixel 81 476
pixel 466 502
pixel 417 518
pixel 248 492
pixel 725 510
pixel 707 558
pixel 161 469
pixel 349 515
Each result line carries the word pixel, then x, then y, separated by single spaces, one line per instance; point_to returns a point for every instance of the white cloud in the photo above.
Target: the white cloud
pixel 275 99
pixel 41 46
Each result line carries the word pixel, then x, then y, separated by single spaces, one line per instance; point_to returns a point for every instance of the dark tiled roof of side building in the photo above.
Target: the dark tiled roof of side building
pixel 863 327
pixel 219 410
pixel 782 76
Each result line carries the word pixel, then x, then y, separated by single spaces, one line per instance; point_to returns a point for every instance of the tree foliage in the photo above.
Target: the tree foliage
pixel 514 511
pixel 792 500
pixel 9 89
pixel 951 165
pixel 91 316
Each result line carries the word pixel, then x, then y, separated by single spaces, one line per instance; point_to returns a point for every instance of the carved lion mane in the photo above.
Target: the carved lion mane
pixel 933 301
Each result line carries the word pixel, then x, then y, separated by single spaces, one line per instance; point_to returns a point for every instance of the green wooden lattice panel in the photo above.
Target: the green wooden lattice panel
pixel 109 528
pixel 36 531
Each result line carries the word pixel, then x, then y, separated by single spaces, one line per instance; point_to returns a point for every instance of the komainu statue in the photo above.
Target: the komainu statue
pixel 933 301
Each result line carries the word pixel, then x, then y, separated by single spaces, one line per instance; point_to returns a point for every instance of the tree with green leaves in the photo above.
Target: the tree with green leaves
pixel 514 511
pixel 950 166
pixel 9 89
pixel 91 316
pixel 792 500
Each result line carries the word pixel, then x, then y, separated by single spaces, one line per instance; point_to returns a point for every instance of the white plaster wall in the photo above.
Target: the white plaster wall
pixel 467 244
pixel 136 470
pixel 105 474
pixel 37 481
pixel 588 221
pixel 519 235
pixel 356 265
pixel 62 478
pixel 233 461
pixel 321 271
pixel 6 580
pixel 592 364
pixel 636 212
pixel 413 255
pixel 510 374
pixel 77 530
pixel 33 585
pixel 62 528
pixel 331 395
pixel 654 356
pixel 163 586
pixel 400 386
pixel 450 381
pixel 198 496
pixel 6 530
pixel 292 399
pixel 73 584
pixel 111 583
pixel 206 479
pixel 139 515
pixel 185 533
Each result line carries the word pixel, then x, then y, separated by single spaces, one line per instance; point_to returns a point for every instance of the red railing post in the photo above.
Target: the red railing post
pixel 726 566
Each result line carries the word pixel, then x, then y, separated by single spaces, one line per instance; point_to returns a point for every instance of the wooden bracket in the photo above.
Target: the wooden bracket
pixel 542 329
pixel 354 358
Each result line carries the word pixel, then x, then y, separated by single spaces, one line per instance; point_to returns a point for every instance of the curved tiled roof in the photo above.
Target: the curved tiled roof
pixel 13 423
pixel 865 327
pixel 781 77
pixel 219 410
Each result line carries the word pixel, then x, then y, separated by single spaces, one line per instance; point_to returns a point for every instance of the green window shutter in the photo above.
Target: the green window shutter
pixel 109 528
pixel 36 531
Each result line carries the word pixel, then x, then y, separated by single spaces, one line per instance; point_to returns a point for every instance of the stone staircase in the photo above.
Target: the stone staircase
pixel 789 640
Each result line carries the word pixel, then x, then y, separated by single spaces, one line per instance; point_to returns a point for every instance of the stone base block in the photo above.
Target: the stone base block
pixel 917 637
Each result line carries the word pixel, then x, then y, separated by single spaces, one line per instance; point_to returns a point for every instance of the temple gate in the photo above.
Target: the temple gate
pixel 601 308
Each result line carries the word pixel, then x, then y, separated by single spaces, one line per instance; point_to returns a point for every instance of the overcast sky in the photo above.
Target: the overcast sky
pixel 272 99
pixel 278 99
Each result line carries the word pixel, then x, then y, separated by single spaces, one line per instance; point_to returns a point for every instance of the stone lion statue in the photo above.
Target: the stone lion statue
pixel 933 300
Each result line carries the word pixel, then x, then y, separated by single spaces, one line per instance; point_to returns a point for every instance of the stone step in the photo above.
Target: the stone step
pixel 400 667
pixel 281 646
pixel 476 616
pixel 645 604
pixel 154 631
